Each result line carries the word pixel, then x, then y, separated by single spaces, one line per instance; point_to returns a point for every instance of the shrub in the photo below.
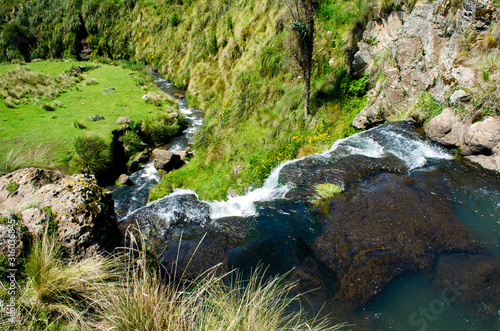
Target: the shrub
pixel 9 102
pixel 11 161
pixel 91 81
pixel 94 155
pixel 426 108
pixel 132 143
pixel 48 107
pixel 159 129
pixel 142 301
pixel 153 99
pixel 56 290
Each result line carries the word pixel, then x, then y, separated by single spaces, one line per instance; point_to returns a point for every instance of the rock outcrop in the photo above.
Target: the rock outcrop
pixel 80 212
pixel 422 50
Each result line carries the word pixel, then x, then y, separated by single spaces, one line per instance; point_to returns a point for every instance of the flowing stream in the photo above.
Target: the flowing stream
pixel 413 242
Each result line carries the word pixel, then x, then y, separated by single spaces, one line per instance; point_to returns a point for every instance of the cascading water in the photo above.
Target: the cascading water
pixel 412 226
pixel 130 198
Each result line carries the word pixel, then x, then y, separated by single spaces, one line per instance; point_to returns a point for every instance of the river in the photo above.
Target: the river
pixel 412 243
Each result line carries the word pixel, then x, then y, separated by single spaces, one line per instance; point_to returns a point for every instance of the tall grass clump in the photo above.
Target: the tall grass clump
pixel 426 108
pixel 159 129
pixel 143 301
pixel 132 143
pixel 60 292
pixel 93 155
pixel 11 161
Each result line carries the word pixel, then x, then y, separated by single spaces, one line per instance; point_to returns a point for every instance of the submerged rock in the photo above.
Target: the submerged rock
pixel 382 228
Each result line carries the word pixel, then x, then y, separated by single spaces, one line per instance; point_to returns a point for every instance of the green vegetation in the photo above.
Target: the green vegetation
pixel 324 194
pixel 125 292
pixel 12 187
pixel 235 61
pixel 44 85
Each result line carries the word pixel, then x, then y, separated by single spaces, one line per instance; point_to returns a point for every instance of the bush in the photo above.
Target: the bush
pixel 426 108
pixel 9 102
pixel 12 187
pixel 159 129
pixel 153 99
pixel 94 155
pixel 142 301
pixel 91 81
pixel 132 143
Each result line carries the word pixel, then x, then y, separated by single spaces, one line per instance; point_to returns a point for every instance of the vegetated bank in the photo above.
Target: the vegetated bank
pixel 80 117
pixel 234 60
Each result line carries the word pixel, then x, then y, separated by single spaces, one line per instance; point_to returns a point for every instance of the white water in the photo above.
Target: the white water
pixel 415 153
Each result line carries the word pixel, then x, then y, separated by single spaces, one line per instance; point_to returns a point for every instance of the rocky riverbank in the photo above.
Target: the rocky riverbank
pixel 438 55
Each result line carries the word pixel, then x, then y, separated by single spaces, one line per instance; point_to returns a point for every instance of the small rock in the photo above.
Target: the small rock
pixel 173 115
pixel 460 96
pixel 133 166
pixel 124 180
pixel 124 120
pixel 167 160
pixel 95 118
pixel 142 158
pixel 182 154
pixel 124 128
pixel 110 89
pixel 231 193
pixel 178 96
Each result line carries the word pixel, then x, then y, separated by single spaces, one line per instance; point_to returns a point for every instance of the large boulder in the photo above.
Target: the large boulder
pixel 168 161
pixel 482 137
pixel 482 143
pixel 445 129
pixel 81 212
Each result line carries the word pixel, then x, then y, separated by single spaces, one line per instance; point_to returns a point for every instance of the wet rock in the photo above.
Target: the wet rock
pixel 168 161
pixel 124 180
pixel 142 158
pixel 382 228
pixel 472 280
pixel 344 173
pixel 95 118
pixel 82 212
pixel 124 120
pixel 445 129
pixel 178 96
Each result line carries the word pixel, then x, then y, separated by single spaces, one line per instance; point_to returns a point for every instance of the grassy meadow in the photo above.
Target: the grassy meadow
pixel 41 137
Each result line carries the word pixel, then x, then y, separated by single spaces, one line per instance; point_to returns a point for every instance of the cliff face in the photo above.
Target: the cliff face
pixel 439 55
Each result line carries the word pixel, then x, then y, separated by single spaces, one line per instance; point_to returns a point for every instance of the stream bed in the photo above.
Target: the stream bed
pixel 412 243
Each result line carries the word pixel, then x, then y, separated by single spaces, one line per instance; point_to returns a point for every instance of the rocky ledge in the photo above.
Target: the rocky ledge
pixel 442 49
pixel 76 209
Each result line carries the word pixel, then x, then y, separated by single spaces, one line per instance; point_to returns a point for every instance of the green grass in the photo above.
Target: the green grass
pixel 27 126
